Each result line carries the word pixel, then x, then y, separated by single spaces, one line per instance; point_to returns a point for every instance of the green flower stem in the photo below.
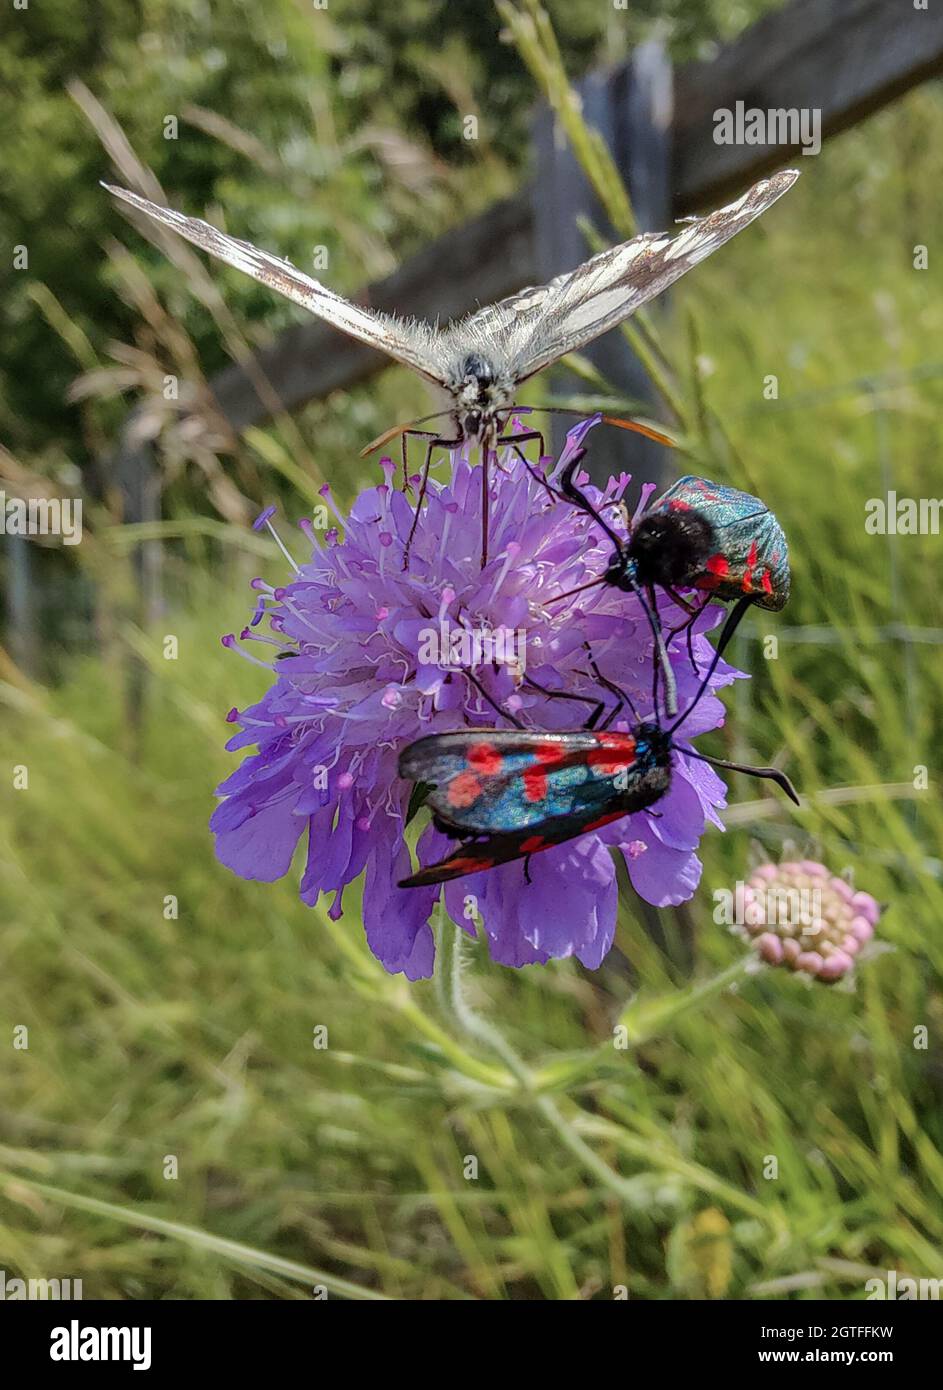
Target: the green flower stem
pixel 369 978
pixel 644 1019
pixel 451 943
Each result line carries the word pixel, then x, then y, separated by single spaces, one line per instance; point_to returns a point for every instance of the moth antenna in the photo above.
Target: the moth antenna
pixel 733 620
pixel 662 660
pixel 772 773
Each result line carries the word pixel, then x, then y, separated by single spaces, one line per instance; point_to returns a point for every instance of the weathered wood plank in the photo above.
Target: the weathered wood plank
pixel 845 57
pixel 631 109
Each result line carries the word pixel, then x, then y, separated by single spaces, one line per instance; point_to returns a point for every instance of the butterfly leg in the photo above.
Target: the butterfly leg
pixel 434 442
pixel 418 434
pixel 515 441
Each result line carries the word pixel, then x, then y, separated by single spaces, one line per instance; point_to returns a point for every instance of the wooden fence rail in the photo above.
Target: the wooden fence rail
pixel 844 58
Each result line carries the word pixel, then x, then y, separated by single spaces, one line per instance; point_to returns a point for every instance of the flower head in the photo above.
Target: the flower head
pixel 804 917
pixel 368 656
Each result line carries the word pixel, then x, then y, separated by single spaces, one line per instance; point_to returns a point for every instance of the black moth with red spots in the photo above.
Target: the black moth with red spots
pixel 510 793
pixel 698 535
pixel 702 535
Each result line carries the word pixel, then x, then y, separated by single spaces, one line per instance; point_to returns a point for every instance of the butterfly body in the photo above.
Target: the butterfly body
pixel 512 793
pixel 481 392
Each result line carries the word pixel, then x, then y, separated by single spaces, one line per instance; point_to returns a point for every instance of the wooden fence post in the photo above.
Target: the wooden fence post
pixel 136 474
pixel 21 606
pixel 632 110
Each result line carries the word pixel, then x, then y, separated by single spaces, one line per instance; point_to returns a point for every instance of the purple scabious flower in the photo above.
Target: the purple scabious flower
pixel 348 642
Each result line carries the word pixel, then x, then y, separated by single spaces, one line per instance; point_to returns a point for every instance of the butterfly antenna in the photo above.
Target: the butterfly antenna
pixel 395 430
pixel 635 425
pixel 734 618
pixel 772 773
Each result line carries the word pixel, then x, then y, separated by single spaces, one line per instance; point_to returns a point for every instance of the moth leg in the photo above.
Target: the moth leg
pixel 662 664
pixel 732 622
pixel 434 442
pixel 598 705
pixel 527 877
pixel 692 608
pixel 579 499
pixel 690 645
pixel 622 696
pixel 687 627
pixel 504 713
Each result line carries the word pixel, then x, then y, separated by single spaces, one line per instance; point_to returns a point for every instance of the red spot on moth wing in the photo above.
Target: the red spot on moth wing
pixel 766 583
pixel 625 743
pixel 718 565
pixel 549 753
pixel 615 754
pixel 484 759
pixel 754 552
pixel 532 845
pixel 467 863
pixel 463 790
pixel 535 783
pixel 678 504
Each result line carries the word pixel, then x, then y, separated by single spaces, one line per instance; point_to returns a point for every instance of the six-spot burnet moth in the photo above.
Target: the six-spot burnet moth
pixel 697 535
pixel 510 793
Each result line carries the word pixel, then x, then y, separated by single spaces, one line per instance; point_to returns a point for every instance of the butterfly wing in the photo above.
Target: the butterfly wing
pixel 751 557
pixel 414 344
pixel 525 792
pixel 538 325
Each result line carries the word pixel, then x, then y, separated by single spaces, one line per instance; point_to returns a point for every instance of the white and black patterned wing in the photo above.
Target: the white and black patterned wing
pixel 416 345
pixel 537 326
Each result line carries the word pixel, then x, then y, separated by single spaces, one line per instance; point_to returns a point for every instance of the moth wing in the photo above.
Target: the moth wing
pixel 752 555
pixel 504 782
pixel 591 803
pixel 468 859
pixel 416 345
pixel 541 324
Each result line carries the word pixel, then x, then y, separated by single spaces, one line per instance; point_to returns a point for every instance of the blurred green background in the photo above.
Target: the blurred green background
pixel 192 1035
